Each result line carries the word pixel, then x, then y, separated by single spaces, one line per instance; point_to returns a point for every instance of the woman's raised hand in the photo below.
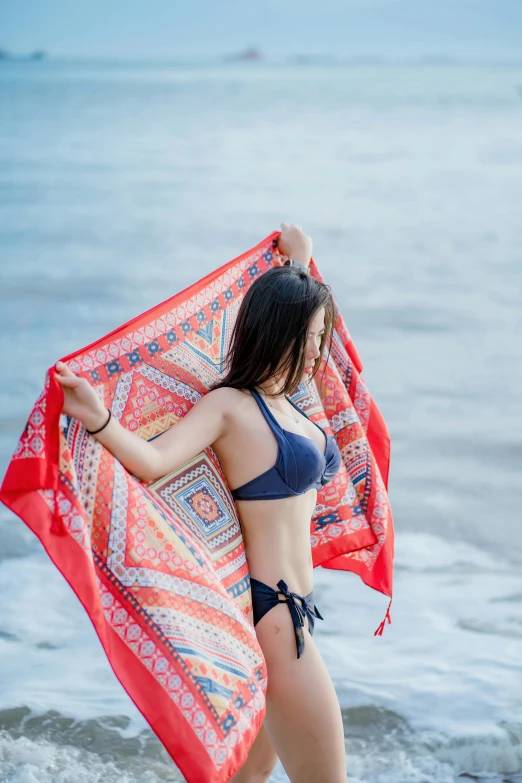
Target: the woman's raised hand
pixel 80 399
pixel 295 244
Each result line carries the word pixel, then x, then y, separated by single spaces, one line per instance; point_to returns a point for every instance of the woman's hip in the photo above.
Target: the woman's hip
pixel 301 609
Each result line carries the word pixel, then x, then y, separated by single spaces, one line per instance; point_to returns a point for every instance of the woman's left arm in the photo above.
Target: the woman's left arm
pixel 295 244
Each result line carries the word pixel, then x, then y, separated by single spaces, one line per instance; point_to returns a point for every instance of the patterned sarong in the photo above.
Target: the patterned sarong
pixel 160 567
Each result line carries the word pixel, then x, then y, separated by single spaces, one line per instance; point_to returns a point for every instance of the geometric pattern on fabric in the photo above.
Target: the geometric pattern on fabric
pixel 160 566
pixel 198 495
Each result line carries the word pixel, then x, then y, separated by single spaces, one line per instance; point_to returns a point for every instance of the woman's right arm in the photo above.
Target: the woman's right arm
pixel 202 426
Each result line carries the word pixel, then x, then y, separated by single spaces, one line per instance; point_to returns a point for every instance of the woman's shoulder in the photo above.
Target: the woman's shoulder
pixel 226 398
pixel 233 407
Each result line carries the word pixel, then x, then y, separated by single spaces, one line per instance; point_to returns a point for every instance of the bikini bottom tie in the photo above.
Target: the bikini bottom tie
pixel 265 598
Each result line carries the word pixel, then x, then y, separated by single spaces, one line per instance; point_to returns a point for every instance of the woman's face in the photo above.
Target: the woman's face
pixel 312 348
pixel 313 343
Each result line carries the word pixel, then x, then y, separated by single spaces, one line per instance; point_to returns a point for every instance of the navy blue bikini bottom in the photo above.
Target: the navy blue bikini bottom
pixel 265 598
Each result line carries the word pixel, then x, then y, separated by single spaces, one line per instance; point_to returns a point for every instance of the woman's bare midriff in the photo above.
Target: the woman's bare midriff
pixel 277 540
pixel 276 532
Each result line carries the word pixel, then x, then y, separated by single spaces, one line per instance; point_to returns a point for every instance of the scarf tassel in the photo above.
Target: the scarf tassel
pixel 387 617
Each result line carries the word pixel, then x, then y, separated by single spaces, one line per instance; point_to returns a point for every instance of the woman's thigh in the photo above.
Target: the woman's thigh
pixel 303 717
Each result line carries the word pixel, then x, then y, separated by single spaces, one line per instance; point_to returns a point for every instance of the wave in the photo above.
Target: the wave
pixel 381 747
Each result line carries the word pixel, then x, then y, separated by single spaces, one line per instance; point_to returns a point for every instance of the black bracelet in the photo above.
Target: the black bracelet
pixel 296 265
pixel 95 432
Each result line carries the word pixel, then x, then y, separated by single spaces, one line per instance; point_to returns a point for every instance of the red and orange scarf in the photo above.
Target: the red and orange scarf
pixel 160 567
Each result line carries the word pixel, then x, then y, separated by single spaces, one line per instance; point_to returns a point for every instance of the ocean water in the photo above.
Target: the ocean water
pixel 120 184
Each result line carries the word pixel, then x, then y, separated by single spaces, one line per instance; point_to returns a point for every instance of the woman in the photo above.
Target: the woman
pixel 275 459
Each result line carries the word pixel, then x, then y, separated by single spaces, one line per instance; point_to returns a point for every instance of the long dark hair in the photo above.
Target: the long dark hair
pixel 271 330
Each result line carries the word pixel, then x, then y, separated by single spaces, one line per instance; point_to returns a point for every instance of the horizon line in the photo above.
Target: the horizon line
pixel 242 58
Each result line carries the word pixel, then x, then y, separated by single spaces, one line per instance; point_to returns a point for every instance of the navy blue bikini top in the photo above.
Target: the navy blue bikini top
pixel 300 464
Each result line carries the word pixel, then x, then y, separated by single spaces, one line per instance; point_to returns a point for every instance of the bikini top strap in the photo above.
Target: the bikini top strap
pixel 265 410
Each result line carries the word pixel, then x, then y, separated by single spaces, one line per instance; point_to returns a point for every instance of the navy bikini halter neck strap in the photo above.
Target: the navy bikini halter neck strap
pixel 265 410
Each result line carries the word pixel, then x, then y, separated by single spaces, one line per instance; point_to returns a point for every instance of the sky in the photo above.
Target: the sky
pixel 163 29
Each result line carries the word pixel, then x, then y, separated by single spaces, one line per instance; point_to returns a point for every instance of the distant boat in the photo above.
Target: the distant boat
pixel 38 54
pixel 251 54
